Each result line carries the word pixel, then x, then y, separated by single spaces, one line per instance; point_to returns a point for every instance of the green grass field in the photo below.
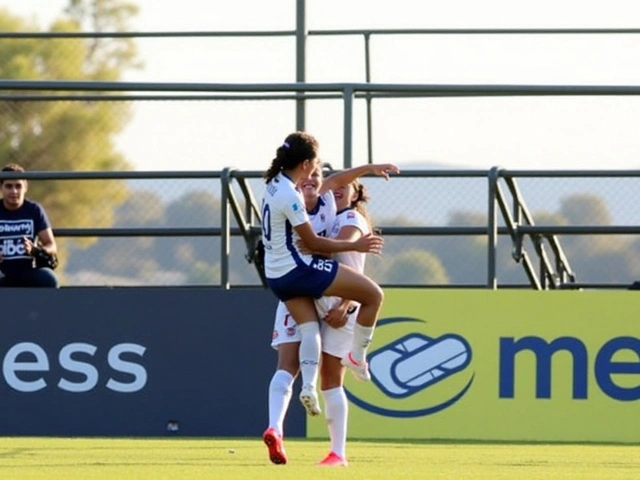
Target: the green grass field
pixel 238 459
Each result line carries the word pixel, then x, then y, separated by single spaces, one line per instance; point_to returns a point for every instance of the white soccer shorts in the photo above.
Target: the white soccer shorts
pixel 335 341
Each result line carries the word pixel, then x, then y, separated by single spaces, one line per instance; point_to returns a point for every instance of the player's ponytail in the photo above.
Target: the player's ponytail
pixel 358 204
pixel 296 148
pixel 276 165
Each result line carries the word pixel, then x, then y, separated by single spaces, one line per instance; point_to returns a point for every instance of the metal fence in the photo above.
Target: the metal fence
pixel 453 228
pixel 461 228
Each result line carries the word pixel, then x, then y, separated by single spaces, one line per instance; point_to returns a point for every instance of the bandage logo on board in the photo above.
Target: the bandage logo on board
pixel 414 374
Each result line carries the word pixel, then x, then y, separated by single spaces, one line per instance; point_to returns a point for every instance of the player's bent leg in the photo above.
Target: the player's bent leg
pixel 353 285
pixel 302 309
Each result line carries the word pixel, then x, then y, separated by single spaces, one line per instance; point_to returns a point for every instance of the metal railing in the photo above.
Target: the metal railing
pixel 240 204
pixel 553 270
pixel 347 91
pixel 301 33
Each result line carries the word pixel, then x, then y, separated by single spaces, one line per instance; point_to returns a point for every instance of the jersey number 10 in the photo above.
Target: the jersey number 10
pixel 266 222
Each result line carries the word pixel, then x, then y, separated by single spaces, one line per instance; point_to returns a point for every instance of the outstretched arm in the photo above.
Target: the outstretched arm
pixel 345 177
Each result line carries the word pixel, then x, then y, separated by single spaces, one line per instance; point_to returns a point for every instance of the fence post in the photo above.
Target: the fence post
pixel 367 66
pixel 347 95
pixel 301 60
pixel 492 229
pixel 225 240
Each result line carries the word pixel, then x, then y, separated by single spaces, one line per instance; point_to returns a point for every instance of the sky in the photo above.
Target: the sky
pixel 478 133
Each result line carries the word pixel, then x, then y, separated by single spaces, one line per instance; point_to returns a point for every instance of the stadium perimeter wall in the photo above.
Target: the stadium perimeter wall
pixel 446 364
pixel 137 362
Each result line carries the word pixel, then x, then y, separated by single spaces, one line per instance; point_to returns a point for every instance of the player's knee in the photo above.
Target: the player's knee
pixel 378 296
pixel 374 297
pixel 331 382
pixel 291 366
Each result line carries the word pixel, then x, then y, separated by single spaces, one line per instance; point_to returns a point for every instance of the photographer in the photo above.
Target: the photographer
pixel 27 245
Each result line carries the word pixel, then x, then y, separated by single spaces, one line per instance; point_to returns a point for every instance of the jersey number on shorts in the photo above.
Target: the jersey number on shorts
pixel 266 222
pixel 326 265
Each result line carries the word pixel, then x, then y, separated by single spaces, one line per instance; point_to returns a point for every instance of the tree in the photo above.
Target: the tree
pixel 196 208
pixel 464 257
pixel 202 273
pixel 142 209
pixel 125 257
pixel 415 267
pixel 105 57
pixel 585 209
pixel 68 135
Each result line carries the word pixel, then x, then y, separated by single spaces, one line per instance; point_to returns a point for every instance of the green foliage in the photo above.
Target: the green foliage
pixel 106 57
pixel 547 218
pixel 68 135
pixel 197 208
pixel 148 260
pixel 194 209
pixel 203 273
pixel 594 258
pixel 467 218
pixel 585 209
pixel 416 267
pixel 142 209
pixel 588 209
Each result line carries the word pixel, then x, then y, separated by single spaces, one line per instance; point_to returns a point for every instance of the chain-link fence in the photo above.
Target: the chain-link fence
pixel 51 129
pixel 169 228
pixel 49 134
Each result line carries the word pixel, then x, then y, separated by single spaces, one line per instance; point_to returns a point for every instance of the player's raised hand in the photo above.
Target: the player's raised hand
pixel 369 243
pixel 385 169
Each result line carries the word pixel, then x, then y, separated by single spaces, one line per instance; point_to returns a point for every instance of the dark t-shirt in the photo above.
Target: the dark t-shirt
pixel 27 221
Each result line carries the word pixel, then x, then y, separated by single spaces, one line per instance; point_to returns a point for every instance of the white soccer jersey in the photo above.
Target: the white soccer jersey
pixel 338 341
pixel 323 216
pixel 322 219
pixel 282 209
pixel 350 218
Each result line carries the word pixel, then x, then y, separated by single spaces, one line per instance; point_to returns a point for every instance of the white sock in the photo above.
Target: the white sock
pixel 280 389
pixel 362 337
pixel 336 409
pixel 309 353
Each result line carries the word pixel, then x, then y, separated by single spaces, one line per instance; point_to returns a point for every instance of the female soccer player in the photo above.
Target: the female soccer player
pixel 297 278
pixel 286 336
pixel 339 319
pixel 321 208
